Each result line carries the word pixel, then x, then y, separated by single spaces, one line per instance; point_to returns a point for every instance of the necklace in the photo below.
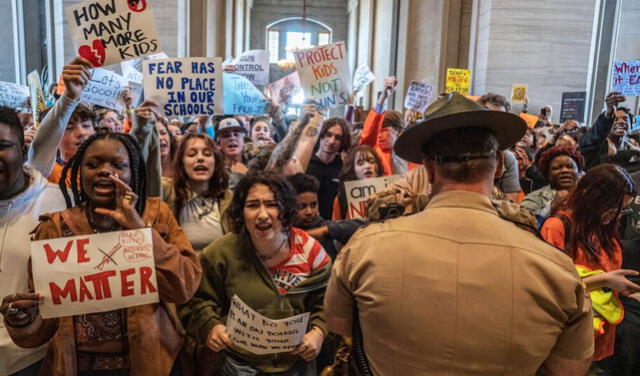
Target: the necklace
pixel 205 205
pixel 97 228
pixel 266 258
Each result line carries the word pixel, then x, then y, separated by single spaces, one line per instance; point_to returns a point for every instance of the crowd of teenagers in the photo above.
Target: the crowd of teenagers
pixel 502 249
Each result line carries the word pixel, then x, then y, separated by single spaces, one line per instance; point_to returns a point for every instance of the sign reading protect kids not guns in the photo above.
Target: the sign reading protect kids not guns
pixel 106 32
pixel 324 74
pixel 185 86
pixel 94 273
pixel 458 81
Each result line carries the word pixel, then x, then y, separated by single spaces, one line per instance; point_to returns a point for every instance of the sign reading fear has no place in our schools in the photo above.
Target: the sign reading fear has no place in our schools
pixel 94 273
pixel 106 32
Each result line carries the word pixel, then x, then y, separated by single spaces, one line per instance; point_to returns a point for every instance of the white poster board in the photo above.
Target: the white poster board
pixel 254 66
pixel 358 192
pixel 258 334
pixel 419 96
pixel 324 74
pixel 285 88
pixel 106 32
pixel 185 86
pixel 104 89
pixel 13 95
pixel 362 78
pixel 132 69
pixel 94 273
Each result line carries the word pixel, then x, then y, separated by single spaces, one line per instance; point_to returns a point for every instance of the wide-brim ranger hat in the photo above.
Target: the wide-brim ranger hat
pixel 453 111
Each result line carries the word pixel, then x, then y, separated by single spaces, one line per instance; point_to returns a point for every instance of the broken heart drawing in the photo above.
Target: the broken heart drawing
pixel 137 5
pixel 94 53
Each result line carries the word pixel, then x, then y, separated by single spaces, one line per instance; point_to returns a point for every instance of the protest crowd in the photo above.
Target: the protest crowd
pixel 171 230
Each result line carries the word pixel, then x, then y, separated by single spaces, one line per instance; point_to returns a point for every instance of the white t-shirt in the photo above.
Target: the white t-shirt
pixel 201 220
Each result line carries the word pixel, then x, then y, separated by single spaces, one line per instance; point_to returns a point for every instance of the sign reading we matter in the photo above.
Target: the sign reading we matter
pixel 106 32
pixel 94 273
pixel 324 74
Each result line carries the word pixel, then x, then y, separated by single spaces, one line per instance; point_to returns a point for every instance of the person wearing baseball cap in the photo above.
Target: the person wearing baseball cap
pixel 230 136
pixel 456 289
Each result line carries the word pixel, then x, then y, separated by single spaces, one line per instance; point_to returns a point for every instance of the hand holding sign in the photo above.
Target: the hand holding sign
pixel 21 308
pixel 612 100
pixel 125 212
pixel 76 75
pixel 311 344
pixel 218 338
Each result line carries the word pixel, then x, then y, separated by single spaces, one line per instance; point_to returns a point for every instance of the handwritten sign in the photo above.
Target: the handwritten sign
pixel 358 191
pixel 254 66
pixel 13 95
pixel 106 32
pixel 185 86
pixel 241 97
pixel 362 78
pixel 457 81
pixel 324 73
pixel 37 97
pixel 519 93
pixel 626 77
pixel 132 69
pixel 105 89
pixel 419 96
pixel 94 273
pixel 285 88
pixel 258 334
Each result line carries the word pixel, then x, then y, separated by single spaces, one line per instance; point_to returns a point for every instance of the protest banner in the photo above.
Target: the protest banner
pixel 518 93
pixel 531 120
pixel 185 86
pixel 457 81
pixel 132 69
pixel 13 95
pixel 105 89
pixel 358 191
pixel 362 78
pixel 285 88
pixel 241 97
pixel 626 77
pixel 324 74
pixel 254 66
pixel 258 334
pixel 418 96
pixel 106 32
pixel 94 273
pixel 573 106
pixel 37 97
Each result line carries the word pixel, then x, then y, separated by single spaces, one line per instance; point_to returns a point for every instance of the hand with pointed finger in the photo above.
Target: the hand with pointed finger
pixel 21 308
pixel 311 345
pixel 125 212
pixel 76 75
pixel 218 338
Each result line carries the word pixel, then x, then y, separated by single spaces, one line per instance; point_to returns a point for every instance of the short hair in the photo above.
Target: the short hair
pixel 303 183
pixel 464 155
pixel 346 132
pixel 393 119
pixel 82 113
pixel 282 192
pixel 495 99
pixel 544 163
pixel 10 117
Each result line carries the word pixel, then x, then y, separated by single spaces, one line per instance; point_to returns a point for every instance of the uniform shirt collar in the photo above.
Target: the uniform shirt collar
pixel 461 199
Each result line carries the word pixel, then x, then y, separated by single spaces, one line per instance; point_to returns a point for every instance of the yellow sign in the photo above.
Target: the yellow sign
pixel 458 81
pixel 37 98
pixel 518 93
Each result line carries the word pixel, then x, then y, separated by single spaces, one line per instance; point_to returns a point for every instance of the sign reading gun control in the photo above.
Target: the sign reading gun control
pixel 257 334
pixel 94 273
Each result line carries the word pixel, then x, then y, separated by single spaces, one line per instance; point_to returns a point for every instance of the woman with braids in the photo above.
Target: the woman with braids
pixel 276 269
pixel 108 193
pixel 198 194
pixel 588 232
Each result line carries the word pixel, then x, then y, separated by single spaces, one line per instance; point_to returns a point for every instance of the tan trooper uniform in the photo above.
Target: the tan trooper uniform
pixel 456 290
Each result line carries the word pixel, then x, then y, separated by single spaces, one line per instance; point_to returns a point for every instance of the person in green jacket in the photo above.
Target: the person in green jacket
pixel 278 270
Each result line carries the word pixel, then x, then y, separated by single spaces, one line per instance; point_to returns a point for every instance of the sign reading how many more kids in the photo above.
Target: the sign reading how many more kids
pixel 626 77
pixel 106 32
pixel 94 273
pixel 458 81
pixel 185 86
pixel 241 97
pixel 324 74
pixel 254 66
pixel 418 96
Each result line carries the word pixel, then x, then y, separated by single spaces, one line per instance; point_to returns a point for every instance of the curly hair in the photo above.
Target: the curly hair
pixel 282 192
pixel 544 163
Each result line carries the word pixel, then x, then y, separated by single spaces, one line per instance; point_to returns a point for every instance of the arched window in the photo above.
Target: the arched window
pixel 295 33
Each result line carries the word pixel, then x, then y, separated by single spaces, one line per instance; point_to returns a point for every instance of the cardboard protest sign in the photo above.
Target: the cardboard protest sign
pixel 105 89
pixel 518 93
pixel 37 97
pixel 258 334
pixel 254 66
pixel 626 77
pixel 285 88
pixel 13 95
pixel 324 74
pixel 132 69
pixel 418 96
pixel 106 32
pixel 457 81
pixel 94 273
pixel 573 106
pixel 241 97
pixel 362 78
pixel 358 191
pixel 185 86
pixel 531 120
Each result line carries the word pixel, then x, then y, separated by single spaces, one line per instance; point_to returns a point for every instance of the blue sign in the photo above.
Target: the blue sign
pixel 241 97
pixel 626 77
